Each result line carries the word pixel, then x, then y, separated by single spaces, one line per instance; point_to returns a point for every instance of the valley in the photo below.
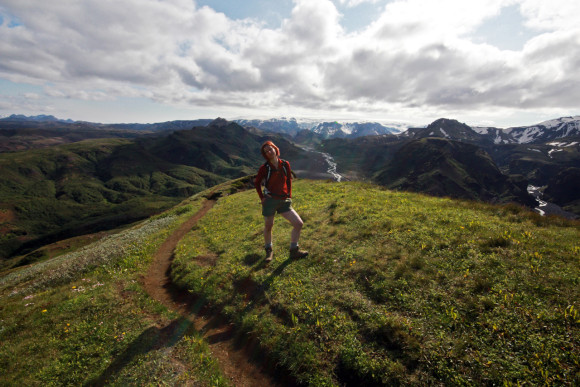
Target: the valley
pixel 422 270
pixel 88 184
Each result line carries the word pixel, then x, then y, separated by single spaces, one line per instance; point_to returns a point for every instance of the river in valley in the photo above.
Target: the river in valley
pixel 545 208
pixel 322 166
pixel 317 165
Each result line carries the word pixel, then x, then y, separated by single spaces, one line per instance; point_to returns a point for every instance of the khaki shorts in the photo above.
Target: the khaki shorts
pixel 271 206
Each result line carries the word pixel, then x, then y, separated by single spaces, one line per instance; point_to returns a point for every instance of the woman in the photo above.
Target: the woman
pixel 277 197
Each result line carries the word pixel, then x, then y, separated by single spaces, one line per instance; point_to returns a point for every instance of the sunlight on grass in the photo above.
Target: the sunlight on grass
pixel 399 288
pixel 84 319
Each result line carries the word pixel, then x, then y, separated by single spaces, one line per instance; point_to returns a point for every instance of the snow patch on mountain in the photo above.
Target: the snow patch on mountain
pixel 539 133
pixel 326 129
pixel 559 121
pixel 523 135
pixel 562 144
pixel 482 129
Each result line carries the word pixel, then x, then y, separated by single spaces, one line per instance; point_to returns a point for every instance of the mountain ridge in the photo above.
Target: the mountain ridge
pixel 539 154
pixel 545 131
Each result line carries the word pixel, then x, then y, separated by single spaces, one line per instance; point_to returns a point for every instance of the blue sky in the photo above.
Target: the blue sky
pixel 484 62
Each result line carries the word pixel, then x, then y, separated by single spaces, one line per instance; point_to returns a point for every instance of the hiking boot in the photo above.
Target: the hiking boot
pixel 269 254
pixel 296 253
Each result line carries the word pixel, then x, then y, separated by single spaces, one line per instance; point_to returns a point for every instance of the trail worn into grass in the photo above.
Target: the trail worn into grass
pixel 239 359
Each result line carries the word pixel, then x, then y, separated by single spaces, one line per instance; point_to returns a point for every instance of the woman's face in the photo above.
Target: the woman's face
pixel 270 152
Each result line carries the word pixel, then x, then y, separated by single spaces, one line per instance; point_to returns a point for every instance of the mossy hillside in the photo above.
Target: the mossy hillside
pixel 58 192
pixel 83 317
pixel 399 288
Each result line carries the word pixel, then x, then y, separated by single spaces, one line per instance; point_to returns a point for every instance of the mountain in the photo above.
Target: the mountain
pixel 38 118
pixel 446 128
pixel 325 130
pixel 443 167
pixel 563 188
pixel 72 189
pixel 351 130
pixel 25 135
pixel 46 121
pixel 539 153
pixel 359 158
pixel 359 148
pixel 19 132
pixel 565 127
pixel 160 126
pixel 277 125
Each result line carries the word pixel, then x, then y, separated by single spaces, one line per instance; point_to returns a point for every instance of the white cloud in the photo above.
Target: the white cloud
pixel 354 3
pixel 551 15
pixel 416 57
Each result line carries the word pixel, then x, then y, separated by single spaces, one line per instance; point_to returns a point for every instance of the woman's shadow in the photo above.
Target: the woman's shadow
pixel 151 339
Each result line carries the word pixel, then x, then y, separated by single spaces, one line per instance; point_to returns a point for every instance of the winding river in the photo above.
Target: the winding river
pixel 322 162
pixel 331 166
pixel 545 208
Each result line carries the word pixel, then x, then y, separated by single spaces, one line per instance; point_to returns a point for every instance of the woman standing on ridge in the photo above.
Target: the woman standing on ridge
pixel 277 197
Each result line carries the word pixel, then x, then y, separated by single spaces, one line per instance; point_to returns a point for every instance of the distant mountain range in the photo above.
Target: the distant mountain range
pixel 323 129
pixel 543 132
pixel 47 121
pixel 39 118
pixel 546 155
pixel 290 126
pixel 565 127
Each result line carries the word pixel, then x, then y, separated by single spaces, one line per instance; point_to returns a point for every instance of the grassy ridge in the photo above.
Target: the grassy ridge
pixel 83 318
pixel 399 288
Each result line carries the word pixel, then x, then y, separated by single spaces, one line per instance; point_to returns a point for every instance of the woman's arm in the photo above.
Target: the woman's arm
pixel 258 182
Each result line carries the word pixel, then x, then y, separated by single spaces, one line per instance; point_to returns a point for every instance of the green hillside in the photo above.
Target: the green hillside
pixel 83 317
pixel 399 289
pixel 63 191
pixel 442 167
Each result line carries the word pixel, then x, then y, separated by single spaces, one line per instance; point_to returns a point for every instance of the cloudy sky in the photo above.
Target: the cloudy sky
pixel 483 62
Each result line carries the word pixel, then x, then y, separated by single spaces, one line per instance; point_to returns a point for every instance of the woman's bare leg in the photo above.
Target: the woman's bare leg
pixel 297 223
pixel 268 225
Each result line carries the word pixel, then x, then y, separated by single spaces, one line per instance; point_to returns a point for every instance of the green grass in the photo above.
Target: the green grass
pixel 399 288
pixel 83 317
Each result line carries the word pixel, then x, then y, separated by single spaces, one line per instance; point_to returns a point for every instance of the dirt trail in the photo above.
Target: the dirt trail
pixel 234 357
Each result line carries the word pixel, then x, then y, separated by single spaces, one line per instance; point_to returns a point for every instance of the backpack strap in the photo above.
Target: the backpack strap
pixel 268 172
pixel 285 167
